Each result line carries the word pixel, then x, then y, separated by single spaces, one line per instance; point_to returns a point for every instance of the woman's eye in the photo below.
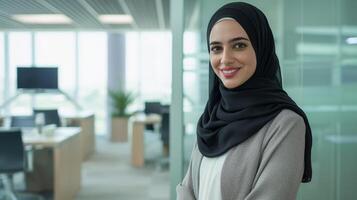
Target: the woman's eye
pixel 239 45
pixel 215 48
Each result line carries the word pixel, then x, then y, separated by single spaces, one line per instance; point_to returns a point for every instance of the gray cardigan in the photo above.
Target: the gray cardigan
pixel 267 166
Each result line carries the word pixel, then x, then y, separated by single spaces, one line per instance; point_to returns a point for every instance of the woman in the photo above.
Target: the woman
pixel 253 141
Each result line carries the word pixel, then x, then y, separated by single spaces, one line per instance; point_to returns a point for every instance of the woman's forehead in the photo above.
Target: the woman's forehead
pixel 226 29
pixel 224 18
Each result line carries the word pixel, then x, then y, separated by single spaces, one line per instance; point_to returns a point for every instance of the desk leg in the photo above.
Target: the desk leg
pixel 137 145
pixel 67 169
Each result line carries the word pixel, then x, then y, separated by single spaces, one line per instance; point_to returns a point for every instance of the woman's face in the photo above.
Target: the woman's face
pixel 232 55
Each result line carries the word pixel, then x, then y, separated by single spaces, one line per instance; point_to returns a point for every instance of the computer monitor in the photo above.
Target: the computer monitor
pixel 152 107
pixel 37 78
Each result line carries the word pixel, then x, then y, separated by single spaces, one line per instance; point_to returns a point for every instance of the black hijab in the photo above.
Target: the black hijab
pixel 233 115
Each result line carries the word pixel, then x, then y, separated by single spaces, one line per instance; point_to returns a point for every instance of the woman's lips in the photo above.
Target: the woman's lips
pixel 229 72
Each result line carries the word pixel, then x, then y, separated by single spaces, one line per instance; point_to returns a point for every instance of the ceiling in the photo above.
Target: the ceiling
pixel 147 14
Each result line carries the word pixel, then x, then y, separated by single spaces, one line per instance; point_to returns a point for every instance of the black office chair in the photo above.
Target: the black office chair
pixel 22 121
pixel 153 107
pixel 51 116
pixel 12 160
pixel 165 125
pixel 164 160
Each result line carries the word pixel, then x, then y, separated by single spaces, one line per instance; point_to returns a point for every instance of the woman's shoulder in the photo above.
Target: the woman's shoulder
pixel 287 116
pixel 286 122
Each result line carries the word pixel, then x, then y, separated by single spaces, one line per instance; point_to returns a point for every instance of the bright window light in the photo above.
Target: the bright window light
pixel 115 19
pixel 351 40
pixel 43 19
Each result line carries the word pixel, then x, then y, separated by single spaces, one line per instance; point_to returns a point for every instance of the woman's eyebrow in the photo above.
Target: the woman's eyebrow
pixel 237 39
pixel 230 41
pixel 215 42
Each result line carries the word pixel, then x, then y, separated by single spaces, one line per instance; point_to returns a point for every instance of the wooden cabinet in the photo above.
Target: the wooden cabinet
pixel 57 163
pixel 85 121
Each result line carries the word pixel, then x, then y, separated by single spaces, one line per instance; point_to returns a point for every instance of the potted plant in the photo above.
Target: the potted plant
pixel 121 100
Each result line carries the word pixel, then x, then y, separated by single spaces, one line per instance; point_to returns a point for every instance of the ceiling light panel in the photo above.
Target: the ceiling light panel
pixel 42 19
pixel 115 19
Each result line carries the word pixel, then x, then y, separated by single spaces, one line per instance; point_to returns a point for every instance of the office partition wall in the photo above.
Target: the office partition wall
pixel 2 68
pixel 316 46
pixel 176 108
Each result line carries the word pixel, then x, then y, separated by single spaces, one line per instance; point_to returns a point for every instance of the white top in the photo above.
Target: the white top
pixel 210 178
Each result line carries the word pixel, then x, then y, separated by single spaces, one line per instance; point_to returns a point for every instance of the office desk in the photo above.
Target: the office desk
pixel 57 164
pixel 138 123
pixel 85 120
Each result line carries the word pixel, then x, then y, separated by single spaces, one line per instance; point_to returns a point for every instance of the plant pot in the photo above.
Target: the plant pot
pixel 119 129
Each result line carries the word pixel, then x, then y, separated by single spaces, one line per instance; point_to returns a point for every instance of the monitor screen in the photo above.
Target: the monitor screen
pixel 37 78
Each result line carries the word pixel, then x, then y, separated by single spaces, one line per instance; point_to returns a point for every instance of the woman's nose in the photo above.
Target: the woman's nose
pixel 227 57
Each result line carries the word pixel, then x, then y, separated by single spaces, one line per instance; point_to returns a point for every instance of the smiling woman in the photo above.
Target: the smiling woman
pixel 253 141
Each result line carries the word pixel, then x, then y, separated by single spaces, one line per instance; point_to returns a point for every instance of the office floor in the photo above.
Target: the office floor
pixel 108 175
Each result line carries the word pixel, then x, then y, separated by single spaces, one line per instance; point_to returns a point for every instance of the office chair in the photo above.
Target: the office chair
pixel 12 160
pixel 51 116
pixel 153 107
pixel 165 137
pixel 22 121
pixel 165 125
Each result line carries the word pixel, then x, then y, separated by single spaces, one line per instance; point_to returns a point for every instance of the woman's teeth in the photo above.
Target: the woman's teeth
pixel 229 71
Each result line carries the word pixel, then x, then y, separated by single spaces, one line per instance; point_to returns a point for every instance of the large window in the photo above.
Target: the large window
pixel 20 54
pixel 81 59
pixel 57 49
pixel 92 89
pixel 148 65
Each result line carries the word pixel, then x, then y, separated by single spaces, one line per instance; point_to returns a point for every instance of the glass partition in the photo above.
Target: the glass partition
pixel 195 75
pixel 2 68
pixel 316 44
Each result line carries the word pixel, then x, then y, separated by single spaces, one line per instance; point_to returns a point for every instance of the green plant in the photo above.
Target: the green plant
pixel 121 100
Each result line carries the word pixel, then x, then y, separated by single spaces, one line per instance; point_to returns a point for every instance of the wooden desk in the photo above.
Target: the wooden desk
pixel 138 123
pixel 85 120
pixel 57 164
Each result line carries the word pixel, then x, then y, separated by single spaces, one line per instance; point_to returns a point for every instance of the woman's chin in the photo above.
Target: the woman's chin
pixel 230 84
